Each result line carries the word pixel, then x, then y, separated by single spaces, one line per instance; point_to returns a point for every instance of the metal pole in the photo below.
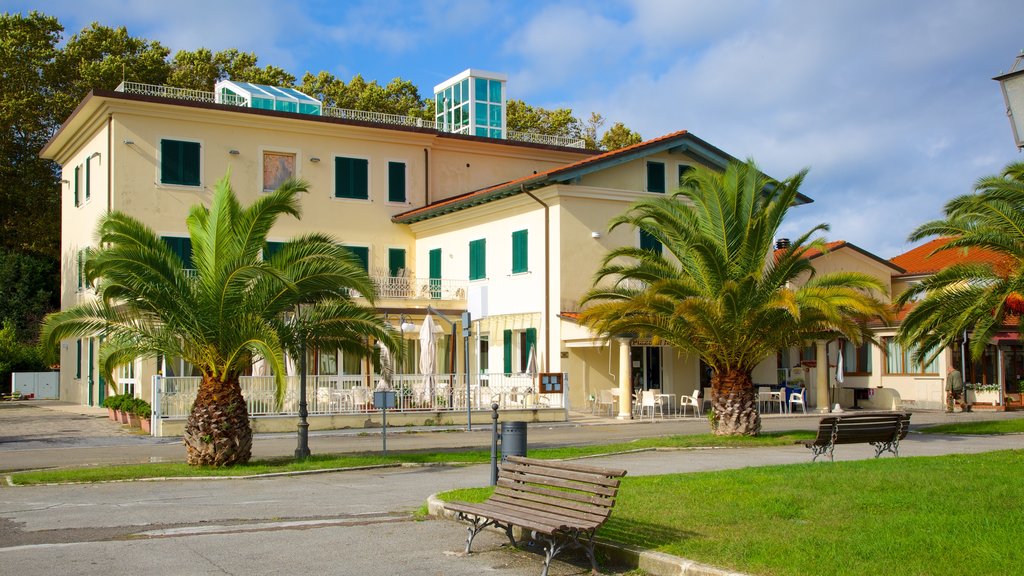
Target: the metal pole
pixel 384 429
pixel 494 443
pixel 465 368
pixel 302 451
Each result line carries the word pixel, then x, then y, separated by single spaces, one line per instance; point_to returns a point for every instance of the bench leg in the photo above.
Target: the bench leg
pixel 893 446
pixel 476 524
pixel 819 450
pixel 553 547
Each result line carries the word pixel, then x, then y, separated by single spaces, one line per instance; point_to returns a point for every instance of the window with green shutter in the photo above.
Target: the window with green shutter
pixel 683 169
pixel 78 358
pixel 649 242
pixel 656 177
pixel 520 245
pixel 396 261
pixel 362 253
pixel 88 180
pixel 351 178
pixel 271 248
pixel 182 248
pixel 528 341
pixel 435 273
pixel 179 162
pixel 477 259
pixel 78 179
pixel 396 182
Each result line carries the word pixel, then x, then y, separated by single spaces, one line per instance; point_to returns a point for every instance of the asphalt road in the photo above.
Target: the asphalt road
pixel 357 522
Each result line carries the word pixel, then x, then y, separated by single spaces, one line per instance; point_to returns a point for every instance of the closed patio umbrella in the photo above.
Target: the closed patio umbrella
pixel 387 366
pixel 428 355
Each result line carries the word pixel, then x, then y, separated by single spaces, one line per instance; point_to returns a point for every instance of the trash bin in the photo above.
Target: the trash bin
pixel 513 439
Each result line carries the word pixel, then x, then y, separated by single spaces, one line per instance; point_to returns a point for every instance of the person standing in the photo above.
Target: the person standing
pixel 954 388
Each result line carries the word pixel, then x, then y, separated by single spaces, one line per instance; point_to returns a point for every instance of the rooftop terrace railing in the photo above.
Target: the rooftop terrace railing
pixel 332 112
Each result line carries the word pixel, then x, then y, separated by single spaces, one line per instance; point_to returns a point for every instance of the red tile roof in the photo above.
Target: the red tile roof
pixel 921 260
pixel 836 245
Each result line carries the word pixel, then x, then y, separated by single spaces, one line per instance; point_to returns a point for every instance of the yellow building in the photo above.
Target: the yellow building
pixel 458 213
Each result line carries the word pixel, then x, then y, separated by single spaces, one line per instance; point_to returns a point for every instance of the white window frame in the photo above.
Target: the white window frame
pixel 159 162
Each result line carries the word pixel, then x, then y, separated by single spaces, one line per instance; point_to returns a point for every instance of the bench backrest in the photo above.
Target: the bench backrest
pixel 563 489
pixel 859 428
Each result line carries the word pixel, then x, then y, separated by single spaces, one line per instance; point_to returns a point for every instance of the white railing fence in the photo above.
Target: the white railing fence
pixel 173 396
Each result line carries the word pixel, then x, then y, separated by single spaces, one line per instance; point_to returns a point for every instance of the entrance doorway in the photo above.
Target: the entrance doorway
pixel 646 371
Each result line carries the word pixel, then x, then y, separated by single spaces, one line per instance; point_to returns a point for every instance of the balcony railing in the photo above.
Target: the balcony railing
pixel 403 288
pixel 330 111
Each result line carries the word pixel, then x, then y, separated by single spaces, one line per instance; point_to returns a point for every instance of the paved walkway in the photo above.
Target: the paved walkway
pixel 356 522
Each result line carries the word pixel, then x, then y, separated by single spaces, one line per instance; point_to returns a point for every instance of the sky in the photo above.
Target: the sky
pixel 890 105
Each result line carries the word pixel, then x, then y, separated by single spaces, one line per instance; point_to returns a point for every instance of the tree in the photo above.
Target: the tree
pixel 201 69
pixel 30 283
pixel 618 136
pixel 399 97
pixel 721 292
pixel 236 306
pixel 521 117
pixel 979 297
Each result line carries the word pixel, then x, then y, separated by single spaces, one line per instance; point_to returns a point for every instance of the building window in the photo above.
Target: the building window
pixel 656 177
pixel 434 259
pixel 271 248
pixel 351 178
pixel 477 259
pixel 179 163
pixel 683 169
pixel 517 346
pixel 78 181
pixel 857 359
pixel 182 248
pixel 520 245
pixel 362 254
pixel 277 168
pixel 484 351
pixel 901 361
pixel 649 242
pixel 396 182
pixel 396 262
pixel 88 180
pixel 327 362
pixel 78 358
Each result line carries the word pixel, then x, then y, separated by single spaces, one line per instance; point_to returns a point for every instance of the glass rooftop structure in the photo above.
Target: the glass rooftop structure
pixel 472 102
pixel 266 97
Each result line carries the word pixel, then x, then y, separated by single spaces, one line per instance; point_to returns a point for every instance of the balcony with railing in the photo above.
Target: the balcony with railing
pixel 332 112
pixel 406 288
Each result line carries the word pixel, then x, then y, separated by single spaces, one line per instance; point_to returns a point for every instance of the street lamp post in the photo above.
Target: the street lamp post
pixel 302 450
pixel 1012 85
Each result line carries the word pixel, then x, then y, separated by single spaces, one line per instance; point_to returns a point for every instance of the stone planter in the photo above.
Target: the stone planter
pixel 122 416
pixel 146 424
pixel 112 414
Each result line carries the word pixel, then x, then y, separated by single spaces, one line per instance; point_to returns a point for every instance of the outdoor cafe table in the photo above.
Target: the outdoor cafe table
pixel 667 400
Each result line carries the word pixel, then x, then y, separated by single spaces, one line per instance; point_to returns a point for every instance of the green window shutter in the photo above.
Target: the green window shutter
pixel 78 358
pixel 362 253
pixel 179 162
pixel 271 248
pixel 531 341
pixel 683 169
pixel 649 242
pixel 435 273
pixel 78 266
pixel 396 181
pixel 87 178
pixel 520 245
pixel 77 180
pixel 182 248
pixel 396 261
pixel 477 259
pixel 656 177
pixel 351 178
pixel 506 336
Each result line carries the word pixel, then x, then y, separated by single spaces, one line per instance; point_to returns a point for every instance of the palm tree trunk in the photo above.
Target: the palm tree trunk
pixel 735 404
pixel 218 431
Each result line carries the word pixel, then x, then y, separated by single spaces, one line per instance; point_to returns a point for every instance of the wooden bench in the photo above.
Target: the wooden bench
pixel 560 503
pixel 883 430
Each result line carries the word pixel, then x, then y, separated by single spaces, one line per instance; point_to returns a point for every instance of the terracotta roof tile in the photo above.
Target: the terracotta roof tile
pixel 921 260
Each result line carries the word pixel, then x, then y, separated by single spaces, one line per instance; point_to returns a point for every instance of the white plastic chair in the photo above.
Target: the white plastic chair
pixel 606 399
pixel 690 401
pixel 798 398
pixel 764 396
pixel 647 401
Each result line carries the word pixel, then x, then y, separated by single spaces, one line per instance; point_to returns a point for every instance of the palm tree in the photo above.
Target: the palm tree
pixel 234 307
pixel 720 291
pixel 974 296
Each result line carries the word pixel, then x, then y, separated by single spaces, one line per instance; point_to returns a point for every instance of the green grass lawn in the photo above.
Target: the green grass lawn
pixel 988 427
pixel 329 461
pixel 949 515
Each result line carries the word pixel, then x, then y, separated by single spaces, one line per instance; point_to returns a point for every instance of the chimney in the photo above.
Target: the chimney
pixel 782 243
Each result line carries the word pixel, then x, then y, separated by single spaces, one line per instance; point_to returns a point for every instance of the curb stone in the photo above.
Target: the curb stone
pixel 652 562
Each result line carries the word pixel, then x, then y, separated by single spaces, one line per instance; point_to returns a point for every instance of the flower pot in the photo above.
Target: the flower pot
pixel 134 420
pixel 146 424
pixel 122 416
pixel 112 414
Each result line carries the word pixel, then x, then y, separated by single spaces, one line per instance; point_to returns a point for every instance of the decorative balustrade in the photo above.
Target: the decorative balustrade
pixel 350 394
pixel 333 112
pixel 404 288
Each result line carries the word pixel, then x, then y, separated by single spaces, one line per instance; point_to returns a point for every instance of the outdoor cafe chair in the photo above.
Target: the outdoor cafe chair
pixel 647 402
pixel 690 401
pixel 798 398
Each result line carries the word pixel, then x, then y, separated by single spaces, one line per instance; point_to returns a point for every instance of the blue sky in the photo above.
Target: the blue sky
pixel 890 104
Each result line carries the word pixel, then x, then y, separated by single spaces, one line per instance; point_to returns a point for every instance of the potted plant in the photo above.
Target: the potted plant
pixel 144 412
pixel 124 408
pixel 112 403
